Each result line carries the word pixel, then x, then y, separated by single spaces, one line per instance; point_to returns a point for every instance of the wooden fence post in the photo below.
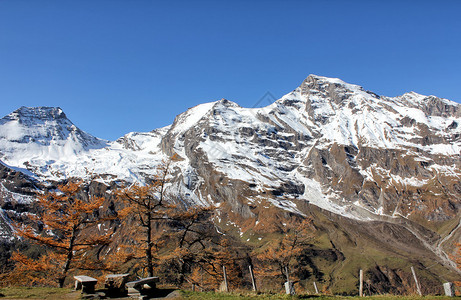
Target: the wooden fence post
pixel 416 281
pixel 253 279
pixel 361 283
pixel 201 279
pixel 226 286
pixel 289 288
pixel 449 289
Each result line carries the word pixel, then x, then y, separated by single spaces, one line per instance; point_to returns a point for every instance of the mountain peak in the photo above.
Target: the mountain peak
pixel 42 112
pixel 30 115
pixel 226 103
pixel 45 132
pixel 317 82
pixel 324 79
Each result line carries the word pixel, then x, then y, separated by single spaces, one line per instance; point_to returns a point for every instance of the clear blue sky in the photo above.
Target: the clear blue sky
pixel 119 66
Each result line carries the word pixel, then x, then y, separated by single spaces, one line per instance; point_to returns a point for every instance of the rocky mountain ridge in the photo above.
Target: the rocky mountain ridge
pixel 327 146
pixel 325 141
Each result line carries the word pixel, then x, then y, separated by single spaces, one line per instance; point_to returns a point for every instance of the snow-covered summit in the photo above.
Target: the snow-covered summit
pixel 322 80
pixel 43 133
pixel 32 115
pixel 43 125
pixel 337 111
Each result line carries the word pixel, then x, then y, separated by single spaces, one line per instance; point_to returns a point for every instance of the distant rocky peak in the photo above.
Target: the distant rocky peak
pixel 30 117
pixel 222 106
pixel 39 113
pixel 44 126
pixel 226 103
pixel 320 83
pixel 431 105
pixel 331 91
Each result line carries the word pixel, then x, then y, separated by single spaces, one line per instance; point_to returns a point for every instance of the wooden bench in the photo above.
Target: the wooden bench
pixel 115 284
pixel 85 283
pixel 136 288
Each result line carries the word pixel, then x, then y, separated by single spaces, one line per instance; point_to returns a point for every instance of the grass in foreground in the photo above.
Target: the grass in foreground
pixel 69 294
pixel 252 296
pixel 38 293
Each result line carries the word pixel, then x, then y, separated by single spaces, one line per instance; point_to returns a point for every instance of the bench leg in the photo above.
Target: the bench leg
pixel 88 288
pixel 134 291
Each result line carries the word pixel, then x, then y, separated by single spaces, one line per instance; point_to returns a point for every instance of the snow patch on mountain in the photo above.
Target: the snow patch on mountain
pixel 191 117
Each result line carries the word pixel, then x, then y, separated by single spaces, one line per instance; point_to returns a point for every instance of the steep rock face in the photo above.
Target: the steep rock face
pixel 332 141
pixel 17 192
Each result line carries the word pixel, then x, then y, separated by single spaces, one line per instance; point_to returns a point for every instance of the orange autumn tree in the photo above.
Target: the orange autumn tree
pixel 189 233
pixel 144 212
pixel 281 255
pixel 146 207
pixel 208 272
pixel 162 234
pixel 67 217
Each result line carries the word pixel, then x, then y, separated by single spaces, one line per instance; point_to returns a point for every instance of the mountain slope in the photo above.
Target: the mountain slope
pixel 335 145
pixel 329 142
pixel 327 149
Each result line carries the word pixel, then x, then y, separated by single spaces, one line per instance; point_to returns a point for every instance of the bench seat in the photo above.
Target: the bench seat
pixel 115 284
pixel 85 283
pixel 135 288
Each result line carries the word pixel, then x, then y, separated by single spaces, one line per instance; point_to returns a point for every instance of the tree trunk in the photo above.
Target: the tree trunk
pixel 150 265
pixel 70 255
pixel 182 271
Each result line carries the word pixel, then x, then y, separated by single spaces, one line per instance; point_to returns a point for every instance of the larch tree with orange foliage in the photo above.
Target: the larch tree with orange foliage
pixel 165 227
pixel 208 271
pixel 67 217
pixel 190 232
pixel 280 255
pixel 148 207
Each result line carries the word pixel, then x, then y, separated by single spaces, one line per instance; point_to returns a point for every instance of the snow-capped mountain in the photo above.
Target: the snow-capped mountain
pixel 44 141
pixel 41 135
pixel 327 143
